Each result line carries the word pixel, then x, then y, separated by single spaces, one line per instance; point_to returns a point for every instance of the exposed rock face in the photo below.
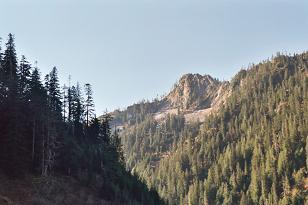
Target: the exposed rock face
pixel 194 92
pixel 194 95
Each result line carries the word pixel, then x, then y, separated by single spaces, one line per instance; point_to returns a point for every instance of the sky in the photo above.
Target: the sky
pixel 131 50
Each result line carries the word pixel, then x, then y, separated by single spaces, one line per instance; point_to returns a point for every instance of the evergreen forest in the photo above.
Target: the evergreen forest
pixel 252 151
pixel 51 130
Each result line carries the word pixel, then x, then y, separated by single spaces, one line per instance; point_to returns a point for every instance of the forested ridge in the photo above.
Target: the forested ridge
pixel 253 150
pixel 48 130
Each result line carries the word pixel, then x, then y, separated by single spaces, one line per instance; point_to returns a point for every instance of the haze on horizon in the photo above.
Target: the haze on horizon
pixel 136 50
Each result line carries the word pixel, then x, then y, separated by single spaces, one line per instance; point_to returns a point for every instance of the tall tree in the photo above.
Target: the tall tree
pixel 69 100
pixel 13 139
pixel 89 105
pixel 105 128
pixel 38 107
pixel 9 62
pixel 24 73
pixel 2 87
pixel 37 138
pixel 116 143
pixel 77 111
pixel 54 91
pixel 53 121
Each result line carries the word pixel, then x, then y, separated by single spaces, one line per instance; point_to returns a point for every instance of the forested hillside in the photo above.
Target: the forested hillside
pixel 252 149
pixel 206 142
pixel 53 146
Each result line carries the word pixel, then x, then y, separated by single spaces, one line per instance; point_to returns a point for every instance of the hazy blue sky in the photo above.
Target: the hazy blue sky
pixel 134 49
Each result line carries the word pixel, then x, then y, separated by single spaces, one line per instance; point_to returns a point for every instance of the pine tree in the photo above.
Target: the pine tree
pixel 64 95
pixel 37 138
pixel 77 112
pixel 105 128
pixel 9 63
pixel 53 121
pixel 13 139
pixel 38 107
pixel 89 105
pixel 116 143
pixel 54 92
pixel 2 98
pixel 2 87
pixel 24 72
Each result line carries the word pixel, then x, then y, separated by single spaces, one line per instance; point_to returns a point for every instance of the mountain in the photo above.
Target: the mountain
pixel 194 91
pixel 191 100
pixel 195 96
pixel 237 142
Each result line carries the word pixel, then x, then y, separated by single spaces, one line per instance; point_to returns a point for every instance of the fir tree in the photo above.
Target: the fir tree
pixel 89 105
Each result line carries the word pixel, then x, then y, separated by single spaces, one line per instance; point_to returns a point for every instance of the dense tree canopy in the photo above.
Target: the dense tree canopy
pixel 38 137
pixel 252 151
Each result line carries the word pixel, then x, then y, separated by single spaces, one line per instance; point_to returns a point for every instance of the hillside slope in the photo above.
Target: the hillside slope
pixel 195 96
pixel 251 150
pixel 47 191
pixel 53 150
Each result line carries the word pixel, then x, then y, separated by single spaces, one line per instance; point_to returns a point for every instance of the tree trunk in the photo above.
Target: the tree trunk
pixel 33 143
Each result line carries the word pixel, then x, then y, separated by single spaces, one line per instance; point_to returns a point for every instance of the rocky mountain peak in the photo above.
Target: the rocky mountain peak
pixel 197 77
pixel 193 91
pixel 194 95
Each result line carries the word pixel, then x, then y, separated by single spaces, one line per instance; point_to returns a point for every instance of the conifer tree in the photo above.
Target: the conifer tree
pixel 36 137
pixel 89 105
pixel 54 91
pixel 53 121
pixel 24 72
pixel 9 63
pixel 38 106
pixel 116 143
pixel 13 139
pixel 2 87
pixel 77 111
